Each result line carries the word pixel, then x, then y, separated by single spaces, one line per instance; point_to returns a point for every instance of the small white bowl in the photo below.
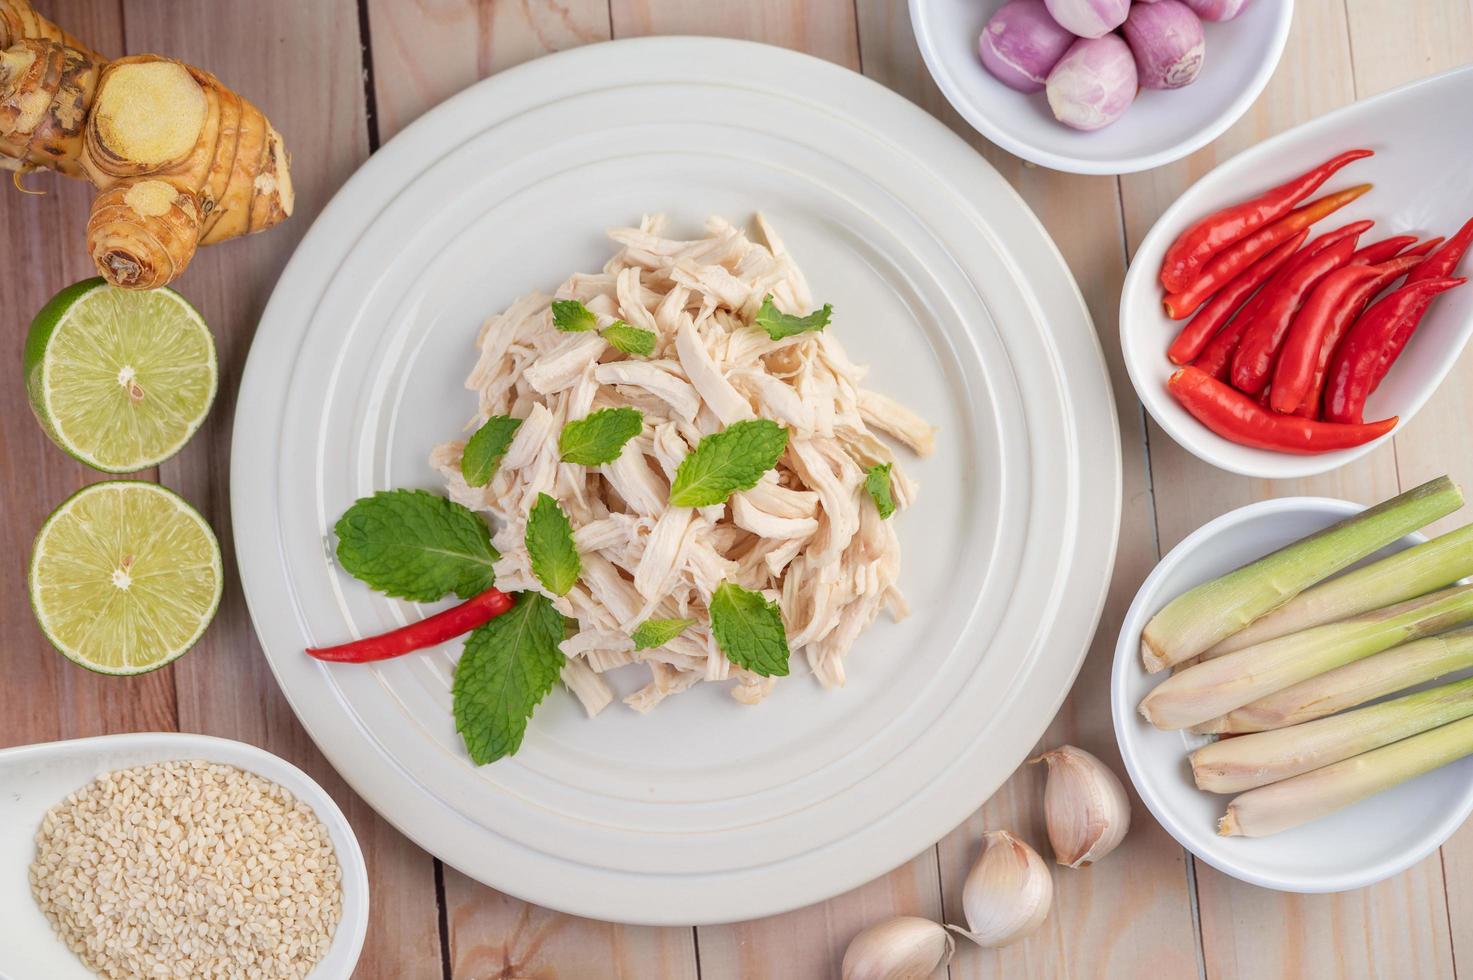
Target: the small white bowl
pixel 1358 846
pixel 36 777
pixel 1421 187
pixel 1159 127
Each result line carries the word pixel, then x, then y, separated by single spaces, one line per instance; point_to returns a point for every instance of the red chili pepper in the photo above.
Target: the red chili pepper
pixel 1195 335
pixel 1378 252
pixel 1424 247
pixel 1212 234
pixel 1235 416
pixel 1254 361
pixel 1241 254
pixel 1442 262
pixel 1356 368
pixel 476 611
pixel 1354 304
pixel 1294 372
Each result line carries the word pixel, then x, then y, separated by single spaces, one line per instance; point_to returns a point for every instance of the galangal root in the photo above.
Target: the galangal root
pixel 178 159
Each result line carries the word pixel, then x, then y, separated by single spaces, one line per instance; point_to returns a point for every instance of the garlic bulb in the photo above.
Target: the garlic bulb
pixel 1008 892
pixel 1084 805
pixel 902 948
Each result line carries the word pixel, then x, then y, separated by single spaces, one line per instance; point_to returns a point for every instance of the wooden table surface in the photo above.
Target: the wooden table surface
pixel 339 77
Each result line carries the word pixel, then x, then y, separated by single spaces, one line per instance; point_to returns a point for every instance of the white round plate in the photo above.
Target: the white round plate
pixel 37 777
pixel 1159 127
pixel 941 279
pixel 1418 190
pixel 1358 846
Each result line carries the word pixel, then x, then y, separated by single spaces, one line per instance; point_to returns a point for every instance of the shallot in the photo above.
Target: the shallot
pixel 1093 84
pixel 1021 44
pixel 1166 39
pixel 1216 10
pixel 1089 18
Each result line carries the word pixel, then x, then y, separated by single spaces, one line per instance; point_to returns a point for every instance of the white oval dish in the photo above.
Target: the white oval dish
pixel 37 777
pixel 1159 127
pixel 941 280
pixel 1421 188
pixel 1358 846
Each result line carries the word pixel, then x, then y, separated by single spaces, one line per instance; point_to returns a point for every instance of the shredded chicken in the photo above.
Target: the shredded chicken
pixel 807 535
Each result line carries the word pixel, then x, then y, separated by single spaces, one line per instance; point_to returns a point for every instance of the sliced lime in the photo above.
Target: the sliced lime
pixel 125 576
pixel 120 378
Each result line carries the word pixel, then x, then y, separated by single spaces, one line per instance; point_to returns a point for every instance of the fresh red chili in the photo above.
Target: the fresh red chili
pixel 1195 335
pixel 1386 248
pixel 1294 372
pixel 1442 262
pixel 1212 234
pixel 1253 362
pixel 1424 247
pixel 1399 339
pixel 1354 304
pixel 1356 367
pixel 476 611
pixel 1243 253
pixel 1235 416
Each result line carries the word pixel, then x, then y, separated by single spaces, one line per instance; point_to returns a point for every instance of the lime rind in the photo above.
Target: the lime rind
pixel 175 577
pixel 85 347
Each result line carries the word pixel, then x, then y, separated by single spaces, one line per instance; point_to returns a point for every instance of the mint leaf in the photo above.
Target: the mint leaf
pixel 877 482
pixel 630 340
pixel 571 316
pixel 600 437
pixel 749 630
pixel 483 451
pixel 416 545
pixel 507 668
pixel 779 325
pixel 727 461
pixel 550 547
pixel 658 632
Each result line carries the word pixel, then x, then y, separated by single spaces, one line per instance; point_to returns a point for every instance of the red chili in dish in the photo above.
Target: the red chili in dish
pixel 475 611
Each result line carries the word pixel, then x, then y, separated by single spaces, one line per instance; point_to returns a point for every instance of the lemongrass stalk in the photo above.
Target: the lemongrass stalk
pixel 1407 574
pixel 1233 765
pixel 1282 806
pixel 1215 687
pixel 1202 617
pixel 1345 687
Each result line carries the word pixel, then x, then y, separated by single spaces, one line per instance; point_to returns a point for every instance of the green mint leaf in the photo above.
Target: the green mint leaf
pixel 877 482
pixel 779 325
pixel 749 630
pixel 630 340
pixel 727 461
pixel 507 668
pixel 416 545
pixel 600 437
pixel 550 548
pixel 571 316
pixel 658 632
pixel 483 451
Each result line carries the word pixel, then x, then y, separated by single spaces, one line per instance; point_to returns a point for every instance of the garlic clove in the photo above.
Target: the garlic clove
pixel 1084 805
pixel 902 948
pixel 1008 892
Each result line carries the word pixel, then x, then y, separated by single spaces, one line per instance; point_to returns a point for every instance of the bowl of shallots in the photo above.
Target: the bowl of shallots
pixel 1101 86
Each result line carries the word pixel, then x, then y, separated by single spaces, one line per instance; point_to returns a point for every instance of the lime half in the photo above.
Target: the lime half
pixel 120 378
pixel 125 576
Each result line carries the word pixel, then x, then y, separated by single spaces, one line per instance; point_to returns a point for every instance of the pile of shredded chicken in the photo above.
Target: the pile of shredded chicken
pixel 807 535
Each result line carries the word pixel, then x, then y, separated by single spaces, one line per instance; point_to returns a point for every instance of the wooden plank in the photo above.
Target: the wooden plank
pixel 1246 931
pixel 1145 923
pixel 300 63
pixel 823 28
pixel 421 55
pixel 1395 43
pixel 44 697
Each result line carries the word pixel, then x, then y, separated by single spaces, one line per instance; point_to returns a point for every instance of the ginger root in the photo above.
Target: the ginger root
pixel 178 159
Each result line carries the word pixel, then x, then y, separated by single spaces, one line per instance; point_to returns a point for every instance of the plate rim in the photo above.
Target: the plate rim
pixel 259 389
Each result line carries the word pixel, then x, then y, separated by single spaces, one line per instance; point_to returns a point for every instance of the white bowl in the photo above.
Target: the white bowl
pixel 36 777
pixel 1159 127
pixel 1423 186
pixel 1358 846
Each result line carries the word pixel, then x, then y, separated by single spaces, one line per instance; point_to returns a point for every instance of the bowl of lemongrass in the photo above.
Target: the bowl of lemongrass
pixel 1293 688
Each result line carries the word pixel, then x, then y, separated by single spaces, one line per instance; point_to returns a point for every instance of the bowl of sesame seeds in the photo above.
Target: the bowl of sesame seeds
pixel 173 855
